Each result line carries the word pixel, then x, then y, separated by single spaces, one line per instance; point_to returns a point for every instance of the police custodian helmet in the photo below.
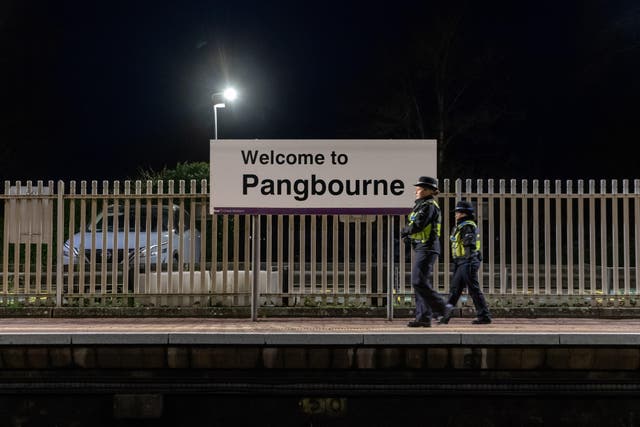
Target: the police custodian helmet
pixel 427 181
pixel 464 206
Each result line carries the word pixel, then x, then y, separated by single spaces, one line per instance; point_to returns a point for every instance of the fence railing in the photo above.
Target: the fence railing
pixel 155 244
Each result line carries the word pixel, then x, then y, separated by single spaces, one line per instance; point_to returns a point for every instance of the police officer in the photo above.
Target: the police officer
pixel 465 251
pixel 423 233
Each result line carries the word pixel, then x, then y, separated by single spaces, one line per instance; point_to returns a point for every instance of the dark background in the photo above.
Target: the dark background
pixel 533 89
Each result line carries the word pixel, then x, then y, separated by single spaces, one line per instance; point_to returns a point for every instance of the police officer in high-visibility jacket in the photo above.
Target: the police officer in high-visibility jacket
pixel 423 233
pixel 465 251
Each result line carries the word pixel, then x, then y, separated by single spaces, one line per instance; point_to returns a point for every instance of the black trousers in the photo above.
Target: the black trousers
pixel 428 300
pixel 465 274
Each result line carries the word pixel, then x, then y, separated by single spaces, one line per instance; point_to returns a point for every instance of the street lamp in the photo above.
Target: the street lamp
pixel 215 119
pixel 228 94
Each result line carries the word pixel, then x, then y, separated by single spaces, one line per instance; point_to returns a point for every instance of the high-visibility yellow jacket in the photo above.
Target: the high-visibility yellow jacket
pixel 424 224
pixel 465 239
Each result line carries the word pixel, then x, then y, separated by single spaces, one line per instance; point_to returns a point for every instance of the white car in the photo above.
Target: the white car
pixel 154 234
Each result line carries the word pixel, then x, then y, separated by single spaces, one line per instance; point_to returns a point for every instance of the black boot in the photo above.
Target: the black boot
pixel 419 324
pixel 446 316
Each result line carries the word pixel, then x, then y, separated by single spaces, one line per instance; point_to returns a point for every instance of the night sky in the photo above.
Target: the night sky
pixel 532 89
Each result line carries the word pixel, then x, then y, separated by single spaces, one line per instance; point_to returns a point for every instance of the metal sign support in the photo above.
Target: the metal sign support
pixel 255 262
pixel 390 259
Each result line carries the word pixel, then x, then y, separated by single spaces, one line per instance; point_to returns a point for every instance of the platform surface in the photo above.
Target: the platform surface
pixel 317 331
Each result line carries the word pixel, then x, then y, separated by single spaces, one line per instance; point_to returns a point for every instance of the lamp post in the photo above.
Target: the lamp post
pixel 215 118
pixel 229 94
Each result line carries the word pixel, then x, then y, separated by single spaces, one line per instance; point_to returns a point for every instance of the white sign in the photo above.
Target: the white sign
pixel 318 176
pixel 29 215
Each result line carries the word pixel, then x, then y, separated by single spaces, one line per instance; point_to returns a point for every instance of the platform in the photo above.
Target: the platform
pixel 314 331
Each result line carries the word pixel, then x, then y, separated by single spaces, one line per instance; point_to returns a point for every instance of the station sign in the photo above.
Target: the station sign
pixel 348 177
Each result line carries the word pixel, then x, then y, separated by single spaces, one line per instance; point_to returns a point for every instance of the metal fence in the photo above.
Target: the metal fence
pixel 155 244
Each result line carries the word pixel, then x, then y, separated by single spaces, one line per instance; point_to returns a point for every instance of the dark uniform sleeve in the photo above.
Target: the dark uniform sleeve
pixel 423 217
pixel 468 237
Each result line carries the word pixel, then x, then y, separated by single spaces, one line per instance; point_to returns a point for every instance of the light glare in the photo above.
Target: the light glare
pixel 230 94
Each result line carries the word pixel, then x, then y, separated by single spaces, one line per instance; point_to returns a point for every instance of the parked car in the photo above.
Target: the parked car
pixel 143 238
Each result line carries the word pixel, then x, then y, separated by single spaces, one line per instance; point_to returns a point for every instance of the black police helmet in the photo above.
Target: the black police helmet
pixel 464 206
pixel 427 181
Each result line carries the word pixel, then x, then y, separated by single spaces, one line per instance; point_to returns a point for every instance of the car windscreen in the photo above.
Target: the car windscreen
pixel 142 222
